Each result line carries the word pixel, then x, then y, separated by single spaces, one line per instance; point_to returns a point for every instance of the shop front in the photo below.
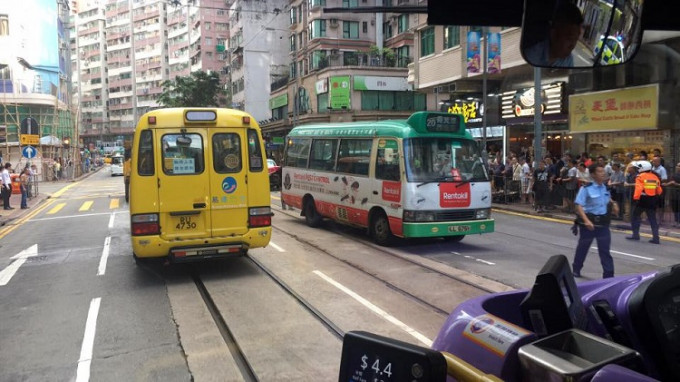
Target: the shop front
pixel 473 110
pixel 517 110
pixel 619 121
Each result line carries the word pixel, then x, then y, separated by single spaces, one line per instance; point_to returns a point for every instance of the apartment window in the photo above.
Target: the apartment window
pixel 208 25
pixel 319 60
pixel 292 43
pixel 208 41
pixel 350 3
pixel 317 3
pixel 387 30
pixel 293 70
pixel 293 16
pixel 403 56
pixel 402 23
pixel 4 25
pixel 350 29
pixel 364 26
pixel 451 36
pixel 317 28
pixel 427 41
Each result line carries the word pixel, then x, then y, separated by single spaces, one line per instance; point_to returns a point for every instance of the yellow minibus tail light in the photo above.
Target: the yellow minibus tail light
pixel 259 217
pixel 245 120
pixel 151 119
pixel 144 224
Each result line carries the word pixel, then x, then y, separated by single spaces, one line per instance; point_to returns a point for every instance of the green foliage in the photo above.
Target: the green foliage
pixel 386 55
pixel 200 89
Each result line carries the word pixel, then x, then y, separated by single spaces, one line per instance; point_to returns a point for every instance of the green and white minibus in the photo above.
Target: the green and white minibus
pixel 419 177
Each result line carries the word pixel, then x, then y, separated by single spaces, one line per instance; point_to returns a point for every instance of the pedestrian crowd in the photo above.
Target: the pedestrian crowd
pixel 597 191
pixel 26 179
pixel 553 183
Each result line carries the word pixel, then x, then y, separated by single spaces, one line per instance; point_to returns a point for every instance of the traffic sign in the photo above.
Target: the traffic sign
pixel 29 152
pixel 29 139
pixel 29 126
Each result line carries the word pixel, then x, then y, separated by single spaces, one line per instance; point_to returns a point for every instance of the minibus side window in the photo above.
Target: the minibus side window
pixel 254 151
pixel 297 152
pixel 145 165
pixel 323 154
pixel 226 153
pixel 182 154
pixel 354 156
pixel 387 160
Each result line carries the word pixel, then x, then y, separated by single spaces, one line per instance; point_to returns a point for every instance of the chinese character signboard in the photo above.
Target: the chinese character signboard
pixel 470 110
pixel 473 52
pixel 621 109
pixel 339 92
pixel 494 55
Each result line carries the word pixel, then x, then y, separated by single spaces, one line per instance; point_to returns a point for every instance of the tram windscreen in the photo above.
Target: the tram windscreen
pixel 554 303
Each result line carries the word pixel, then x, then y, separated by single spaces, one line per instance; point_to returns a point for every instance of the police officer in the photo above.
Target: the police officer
pixel 592 208
pixel 645 199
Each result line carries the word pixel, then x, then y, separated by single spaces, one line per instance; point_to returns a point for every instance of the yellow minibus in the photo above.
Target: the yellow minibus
pixel 199 185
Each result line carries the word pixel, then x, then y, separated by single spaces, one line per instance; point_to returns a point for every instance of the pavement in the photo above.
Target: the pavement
pixel 47 189
pixel 665 228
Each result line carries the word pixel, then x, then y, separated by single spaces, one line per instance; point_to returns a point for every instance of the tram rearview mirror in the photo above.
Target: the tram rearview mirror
pixel 562 34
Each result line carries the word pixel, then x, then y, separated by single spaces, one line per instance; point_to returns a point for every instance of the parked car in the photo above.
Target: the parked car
pixel 274 175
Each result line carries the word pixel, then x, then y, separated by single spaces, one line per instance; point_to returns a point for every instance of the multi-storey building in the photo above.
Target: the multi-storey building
pixel 342 67
pixel 258 52
pixel 126 49
pixel 34 82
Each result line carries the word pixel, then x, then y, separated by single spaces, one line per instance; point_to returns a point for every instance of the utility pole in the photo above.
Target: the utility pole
pixel 537 116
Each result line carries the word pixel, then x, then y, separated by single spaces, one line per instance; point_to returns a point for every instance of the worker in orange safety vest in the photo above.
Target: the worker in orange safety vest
pixel 645 199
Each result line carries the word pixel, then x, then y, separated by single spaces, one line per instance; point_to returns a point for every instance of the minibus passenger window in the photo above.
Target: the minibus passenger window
pixel 227 153
pixel 182 154
pixel 254 151
pixel 387 166
pixel 145 166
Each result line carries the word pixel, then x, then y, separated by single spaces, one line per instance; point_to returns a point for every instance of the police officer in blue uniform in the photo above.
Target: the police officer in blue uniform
pixel 593 215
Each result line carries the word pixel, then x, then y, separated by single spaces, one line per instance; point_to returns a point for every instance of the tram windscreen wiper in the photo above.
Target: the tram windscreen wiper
pixel 440 179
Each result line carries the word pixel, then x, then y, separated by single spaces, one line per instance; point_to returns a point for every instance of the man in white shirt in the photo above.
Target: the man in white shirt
pixel 6 186
pixel 526 180
pixel 658 169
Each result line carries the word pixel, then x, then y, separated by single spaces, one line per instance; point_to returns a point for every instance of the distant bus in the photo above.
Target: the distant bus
pixel 199 186
pixel 420 177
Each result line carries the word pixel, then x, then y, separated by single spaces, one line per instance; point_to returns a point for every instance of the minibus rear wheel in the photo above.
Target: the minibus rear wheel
pixel 312 217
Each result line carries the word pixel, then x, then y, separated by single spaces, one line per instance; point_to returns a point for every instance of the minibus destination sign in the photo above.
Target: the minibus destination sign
pixel 437 123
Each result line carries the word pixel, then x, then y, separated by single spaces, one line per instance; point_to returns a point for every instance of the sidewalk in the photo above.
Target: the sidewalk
pixel 45 191
pixel 665 228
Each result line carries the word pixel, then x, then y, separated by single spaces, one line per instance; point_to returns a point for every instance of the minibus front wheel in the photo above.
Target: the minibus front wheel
pixel 380 229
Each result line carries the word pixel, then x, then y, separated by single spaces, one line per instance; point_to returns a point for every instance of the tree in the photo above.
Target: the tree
pixel 200 89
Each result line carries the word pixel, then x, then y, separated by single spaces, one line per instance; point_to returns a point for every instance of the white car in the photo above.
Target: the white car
pixel 117 165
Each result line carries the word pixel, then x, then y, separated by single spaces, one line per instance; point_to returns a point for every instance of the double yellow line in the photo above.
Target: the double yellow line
pixel 8 229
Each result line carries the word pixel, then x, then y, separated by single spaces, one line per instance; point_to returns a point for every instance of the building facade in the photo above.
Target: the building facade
pixel 35 91
pixel 125 49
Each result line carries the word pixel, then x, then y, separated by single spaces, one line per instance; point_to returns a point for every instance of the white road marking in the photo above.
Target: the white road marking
pixel 83 373
pixel 105 256
pixel 113 215
pixel 473 258
pixel 628 254
pixel 276 247
pixel 19 260
pixel 378 311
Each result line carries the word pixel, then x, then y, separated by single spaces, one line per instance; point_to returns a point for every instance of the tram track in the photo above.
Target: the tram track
pixel 387 252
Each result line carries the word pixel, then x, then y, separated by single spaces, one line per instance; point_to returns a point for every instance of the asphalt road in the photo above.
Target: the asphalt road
pixel 75 306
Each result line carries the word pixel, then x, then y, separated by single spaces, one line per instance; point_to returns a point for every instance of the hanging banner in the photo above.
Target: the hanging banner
pixel 634 108
pixel 473 52
pixel 494 55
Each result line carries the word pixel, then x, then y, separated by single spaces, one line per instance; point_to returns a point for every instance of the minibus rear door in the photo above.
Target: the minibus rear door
pixel 183 186
pixel 228 182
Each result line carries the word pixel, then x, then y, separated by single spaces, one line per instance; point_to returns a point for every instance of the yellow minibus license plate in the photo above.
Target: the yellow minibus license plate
pixel 186 223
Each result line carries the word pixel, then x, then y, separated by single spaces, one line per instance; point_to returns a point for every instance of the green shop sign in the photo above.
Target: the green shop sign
pixel 340 92
pixel 278 101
